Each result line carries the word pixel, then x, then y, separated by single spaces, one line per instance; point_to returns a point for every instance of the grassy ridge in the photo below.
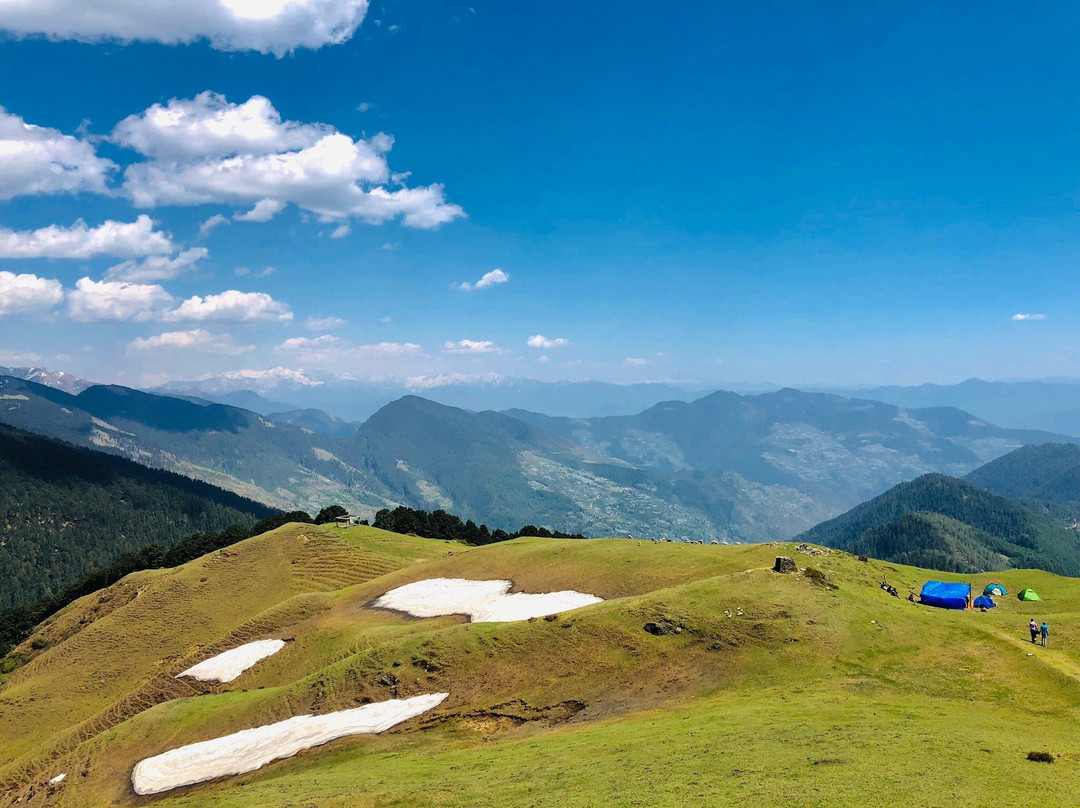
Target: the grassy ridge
pixel 802 696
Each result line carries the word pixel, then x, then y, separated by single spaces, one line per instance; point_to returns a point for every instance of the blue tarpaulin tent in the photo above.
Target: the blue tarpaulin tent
pixel 983 602
pixel 945 596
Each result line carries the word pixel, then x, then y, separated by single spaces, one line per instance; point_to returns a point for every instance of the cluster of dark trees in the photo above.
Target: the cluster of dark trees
pixel 442 525
pixel 16 622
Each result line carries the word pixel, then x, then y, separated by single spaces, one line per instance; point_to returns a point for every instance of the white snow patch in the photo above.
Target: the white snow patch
pixel 251 749
pixel 58 779
pixel 228 665
pixel 482 601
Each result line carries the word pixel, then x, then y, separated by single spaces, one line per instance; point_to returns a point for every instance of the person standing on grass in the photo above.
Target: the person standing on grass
pixel 1033 627
pixel 1044 630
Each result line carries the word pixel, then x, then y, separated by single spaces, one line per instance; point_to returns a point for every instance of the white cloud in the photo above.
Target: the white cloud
pixel 214 221
pixel 122 239
pixel 363 106
pixel 389 246
pixel 636 361
pixel 264 211
pixel 97 301
pixel 305 343
pixel 209 126
pixel 157 267
pixel 1029 316
pixel 543 359
pixel 245 272
pixel 39 160
pixel 195 340
pixel 540 341
pixel 268 26
pixel 327 349
pixel 21 293
pixel 323 323
pixel 206 150
pixel 493 278
pixel 471 346
pixel 243 307
pixel 340 231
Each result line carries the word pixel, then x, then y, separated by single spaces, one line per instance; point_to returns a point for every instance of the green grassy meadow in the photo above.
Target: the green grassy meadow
pixel 820 693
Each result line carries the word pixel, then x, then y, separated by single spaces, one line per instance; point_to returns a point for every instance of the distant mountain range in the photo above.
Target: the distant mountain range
pixel 58 379
pixel 1042 404
pixel 357 399
pixel 726 466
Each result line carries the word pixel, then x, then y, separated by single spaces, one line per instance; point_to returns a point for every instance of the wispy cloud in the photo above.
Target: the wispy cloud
pixel 324 323
pixel 194 340
pixel 636 361
pixel 472 346
pixel 1029 316
pixel 493 278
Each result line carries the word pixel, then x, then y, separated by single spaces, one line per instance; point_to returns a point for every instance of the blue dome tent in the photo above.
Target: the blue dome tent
pixel 983 602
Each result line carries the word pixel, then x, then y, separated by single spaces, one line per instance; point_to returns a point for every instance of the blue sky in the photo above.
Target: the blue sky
pixel 799 193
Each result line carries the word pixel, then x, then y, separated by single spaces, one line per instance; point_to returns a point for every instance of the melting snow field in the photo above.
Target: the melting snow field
pixel 228 665
pixel 252 749
pixel 482 601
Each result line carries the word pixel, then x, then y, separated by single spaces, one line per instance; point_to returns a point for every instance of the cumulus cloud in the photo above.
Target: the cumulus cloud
pixel 1029 316
pixel 341 231
pixel 242 307
pixel 195 340
pixel 323 323
pixel 122 239
pixel 22 293
pixel 99 301
pixel 264 211
pixel 493 278
pixel 268 26
pixel 157 267
pixel 39 160
pixel 471 346
pixel 207 150
pixel 540 341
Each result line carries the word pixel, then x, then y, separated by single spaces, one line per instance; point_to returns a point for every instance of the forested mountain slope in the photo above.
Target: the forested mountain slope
pixel 949 524
pixel 65 510
pixel 1046 475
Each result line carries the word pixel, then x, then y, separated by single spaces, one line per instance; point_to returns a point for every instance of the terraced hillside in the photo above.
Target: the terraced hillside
pixel 814 688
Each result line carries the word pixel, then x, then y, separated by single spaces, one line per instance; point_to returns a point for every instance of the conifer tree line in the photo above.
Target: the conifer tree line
pixel 442 525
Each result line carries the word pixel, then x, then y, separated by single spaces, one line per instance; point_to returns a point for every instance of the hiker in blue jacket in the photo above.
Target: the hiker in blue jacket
pixel 1044 630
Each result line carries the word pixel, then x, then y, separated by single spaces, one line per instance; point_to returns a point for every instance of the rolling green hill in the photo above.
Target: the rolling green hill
pixel 949 524
pixel 66 510
pixel 807 689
